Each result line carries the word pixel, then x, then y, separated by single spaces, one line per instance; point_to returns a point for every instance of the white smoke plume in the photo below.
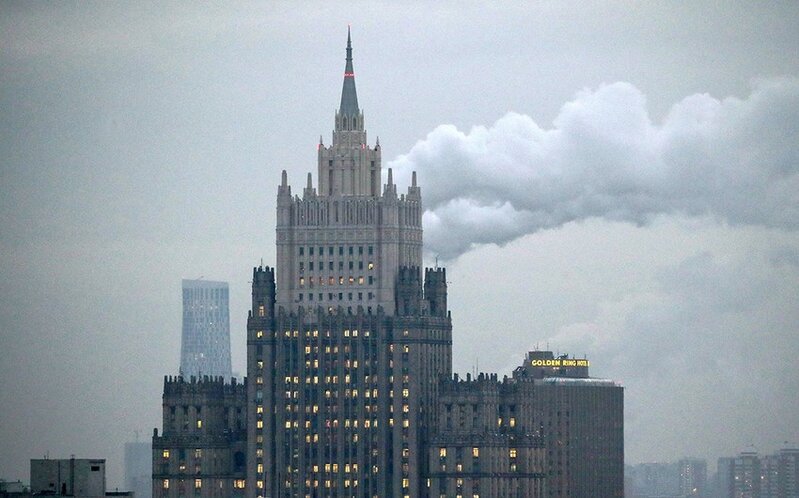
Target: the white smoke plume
pixel 735 159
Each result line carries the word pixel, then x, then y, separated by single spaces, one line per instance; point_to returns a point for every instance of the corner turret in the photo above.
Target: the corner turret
pixel 435 290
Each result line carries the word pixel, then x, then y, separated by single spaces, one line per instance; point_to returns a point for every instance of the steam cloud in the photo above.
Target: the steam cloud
pixel 735 159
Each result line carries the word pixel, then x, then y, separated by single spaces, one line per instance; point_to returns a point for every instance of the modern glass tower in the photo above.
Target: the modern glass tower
pixel 205 344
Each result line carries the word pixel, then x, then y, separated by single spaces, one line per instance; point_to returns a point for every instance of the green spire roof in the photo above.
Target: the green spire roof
pixel 349 98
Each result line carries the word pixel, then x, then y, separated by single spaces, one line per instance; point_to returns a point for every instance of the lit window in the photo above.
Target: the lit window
pixel 165 453
pixel 198 453
pixel 259 334
pixel 199 423
pixel 261 310
pixel 165 484
pixel 238 484
pixel 371 265
pixel 475 452
pixel 198 483
pixel 442 452
pixel 512 452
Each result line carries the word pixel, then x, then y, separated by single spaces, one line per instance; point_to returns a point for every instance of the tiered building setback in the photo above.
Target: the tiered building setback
pixel 201 450
pixel 346 343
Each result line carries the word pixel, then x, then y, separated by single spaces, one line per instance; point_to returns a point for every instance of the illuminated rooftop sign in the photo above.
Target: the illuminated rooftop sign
pixel 560 362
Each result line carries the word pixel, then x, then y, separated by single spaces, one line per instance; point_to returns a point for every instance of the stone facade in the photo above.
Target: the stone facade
pixel 346 342
pixel 202 449
pixel 550 430
pixel 343 242
pixel 482 444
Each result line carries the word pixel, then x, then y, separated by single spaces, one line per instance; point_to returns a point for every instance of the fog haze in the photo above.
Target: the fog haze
pixel 617 180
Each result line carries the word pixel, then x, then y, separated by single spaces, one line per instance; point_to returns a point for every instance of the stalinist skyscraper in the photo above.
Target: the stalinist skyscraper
pixel 347 338
pixel 349 389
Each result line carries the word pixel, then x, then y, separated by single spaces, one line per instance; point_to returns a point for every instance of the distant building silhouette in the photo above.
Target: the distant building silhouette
pixel 693 477
pixel 139 468
pixel 205 342
pixel 750 476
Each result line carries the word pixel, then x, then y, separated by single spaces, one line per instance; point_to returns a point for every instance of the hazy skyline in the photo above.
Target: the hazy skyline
pixel 637 164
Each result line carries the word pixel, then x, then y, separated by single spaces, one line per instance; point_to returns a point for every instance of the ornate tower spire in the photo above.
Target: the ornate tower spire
pixel 349 98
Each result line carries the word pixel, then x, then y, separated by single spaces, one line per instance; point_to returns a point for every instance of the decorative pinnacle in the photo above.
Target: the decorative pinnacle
pixel 348 71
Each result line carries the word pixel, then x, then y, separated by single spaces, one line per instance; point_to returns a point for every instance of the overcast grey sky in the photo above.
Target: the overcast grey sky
pixel 613 179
